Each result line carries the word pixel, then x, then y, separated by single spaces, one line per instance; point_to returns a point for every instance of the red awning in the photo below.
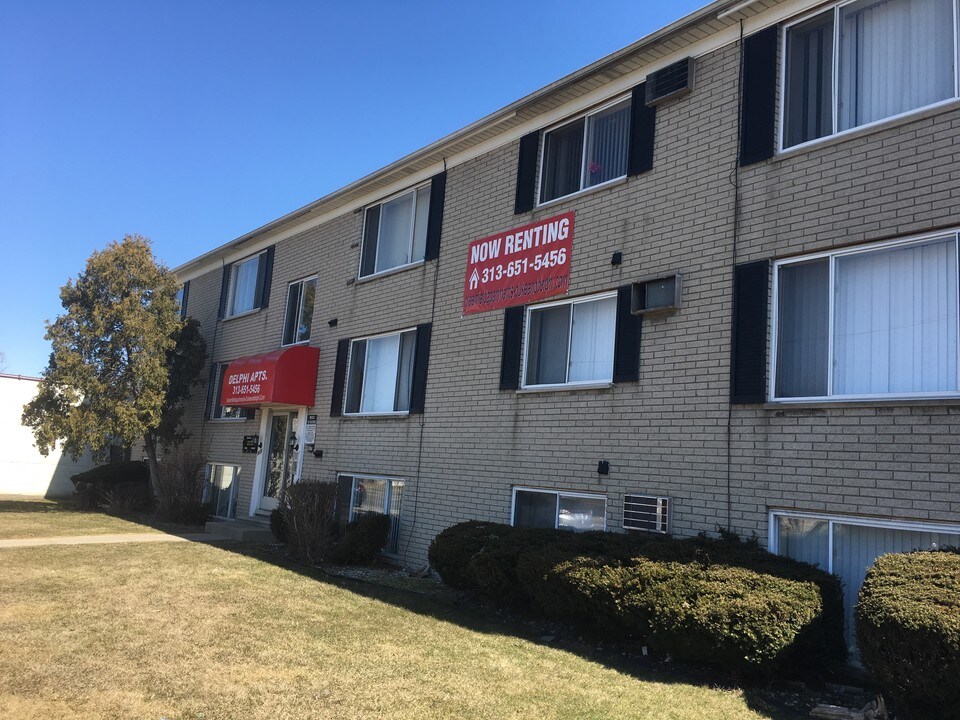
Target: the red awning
pixel 281 377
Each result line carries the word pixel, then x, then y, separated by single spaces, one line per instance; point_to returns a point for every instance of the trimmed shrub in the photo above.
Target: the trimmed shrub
pixel 908 628
pixel 100 486
pixel 362 540
pixel 721 602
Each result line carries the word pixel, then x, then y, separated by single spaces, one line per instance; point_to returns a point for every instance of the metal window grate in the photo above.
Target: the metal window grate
pixel 646 512
pixel 671 82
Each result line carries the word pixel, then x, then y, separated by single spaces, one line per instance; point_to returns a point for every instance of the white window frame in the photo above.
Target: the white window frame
pixel 833 255
pixel 217 390
pixel 346 389
pixel 232 286
pixel 413 224
pixel 773 541
pixel 387 497
pixel 583 156
pixel 526 341
pixel 835 9
pixel 301 281
pixel 558 494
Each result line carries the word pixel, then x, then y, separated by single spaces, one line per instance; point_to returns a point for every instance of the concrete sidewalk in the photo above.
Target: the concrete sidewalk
pixel 103 539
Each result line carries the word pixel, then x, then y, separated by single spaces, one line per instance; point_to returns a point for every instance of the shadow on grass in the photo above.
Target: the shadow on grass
pixel 466 611
pixel 72 505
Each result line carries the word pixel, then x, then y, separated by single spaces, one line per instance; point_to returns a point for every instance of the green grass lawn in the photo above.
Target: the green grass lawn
pixel 37 517
pixel 190 631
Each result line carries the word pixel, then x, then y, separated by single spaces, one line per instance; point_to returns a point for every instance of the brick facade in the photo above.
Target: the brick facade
pixel 674 432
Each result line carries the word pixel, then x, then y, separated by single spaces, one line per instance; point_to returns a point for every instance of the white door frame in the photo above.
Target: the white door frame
pixel 260 469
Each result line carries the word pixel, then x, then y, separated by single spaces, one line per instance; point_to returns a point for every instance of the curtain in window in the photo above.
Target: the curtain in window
pixel 396 227
pixel 245 285
pixel 393 539
pixel 420 224
pixel 306 310
pixel 809 79
pixel 293 309
pixel 370 495
pixel 591 349
pixel 805 539
pixel 895 55
pixel 380 374
pixel 535 509
pixel 408 344
pixel 803 329
pixel 563 158
pixel 607 134
pixel 895 320
pixel 547 346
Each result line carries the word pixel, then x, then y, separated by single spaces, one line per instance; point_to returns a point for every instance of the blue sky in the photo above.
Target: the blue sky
pixel 195 122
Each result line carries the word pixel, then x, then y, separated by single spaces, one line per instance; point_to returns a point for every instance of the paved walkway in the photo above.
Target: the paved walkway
pixel 103 539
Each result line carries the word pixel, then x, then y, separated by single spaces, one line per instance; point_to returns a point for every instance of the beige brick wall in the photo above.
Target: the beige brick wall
pixel 666 434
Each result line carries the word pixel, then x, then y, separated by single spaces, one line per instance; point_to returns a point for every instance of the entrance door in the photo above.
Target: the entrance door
pixel 282 459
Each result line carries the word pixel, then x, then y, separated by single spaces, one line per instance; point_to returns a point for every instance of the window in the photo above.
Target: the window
pixel 225 412
pixel 847 546
pixel 868 323
pixel 585 152
pixel 245 285
pixel 395 232
pixel 380 374
pixel 865 61
pixel 299 314
pixel 221 490
pixel 379 495
pixel 549 509
pixel 571 342
pixel 183 294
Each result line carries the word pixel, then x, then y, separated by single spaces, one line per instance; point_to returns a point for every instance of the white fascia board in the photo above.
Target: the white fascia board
pixel 249 244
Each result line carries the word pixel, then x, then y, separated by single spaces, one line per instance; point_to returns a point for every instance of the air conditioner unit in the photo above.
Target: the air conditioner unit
pixel 673 81
pixel 647 512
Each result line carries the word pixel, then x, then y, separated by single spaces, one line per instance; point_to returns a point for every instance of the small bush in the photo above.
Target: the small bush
pixel 124 498
pixel 308 510
pixel 99 486
pixel 908 628
pixel 179 487
pixel 362 540
pixel 721 602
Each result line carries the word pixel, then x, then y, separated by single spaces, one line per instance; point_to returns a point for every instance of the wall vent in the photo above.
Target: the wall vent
pixel 646 512
pixel 673 81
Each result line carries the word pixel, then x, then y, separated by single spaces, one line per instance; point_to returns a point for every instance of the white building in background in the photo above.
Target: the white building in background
pixel 23 470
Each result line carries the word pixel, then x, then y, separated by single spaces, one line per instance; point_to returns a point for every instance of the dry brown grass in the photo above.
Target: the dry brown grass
pixel 22 517
pixel 186 631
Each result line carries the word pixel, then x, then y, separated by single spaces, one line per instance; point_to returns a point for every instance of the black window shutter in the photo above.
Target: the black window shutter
pixel 224 288
pixel 211 386
pixel 339 376
pixel 643 122
pixel 438 192
pixel 527 173
pixel 264 277
pixel 758 104
pixel 183 301
pixel 748 345
pixel 344 496
pixel 626 349
pixel 249 413
pixel 421 359
pixel 512 348
pixel 371 229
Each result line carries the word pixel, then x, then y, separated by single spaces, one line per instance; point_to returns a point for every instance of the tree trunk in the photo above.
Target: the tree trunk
pixel 150 445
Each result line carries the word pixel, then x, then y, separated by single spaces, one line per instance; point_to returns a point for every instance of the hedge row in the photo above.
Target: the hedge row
pixel 719 602
pixel 908 628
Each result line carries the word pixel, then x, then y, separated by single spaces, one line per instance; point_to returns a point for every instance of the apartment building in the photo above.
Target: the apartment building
pixel 707 281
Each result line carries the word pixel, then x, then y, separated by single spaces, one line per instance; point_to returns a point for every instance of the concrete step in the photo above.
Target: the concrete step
pixel 240 530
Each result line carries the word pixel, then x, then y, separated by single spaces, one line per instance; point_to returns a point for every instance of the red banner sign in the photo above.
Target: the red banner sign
pixel 519 266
